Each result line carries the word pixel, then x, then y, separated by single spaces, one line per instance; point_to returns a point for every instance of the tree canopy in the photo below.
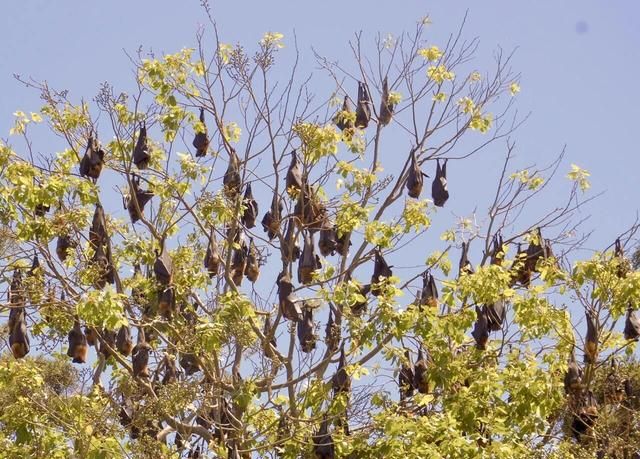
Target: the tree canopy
pixel 231 259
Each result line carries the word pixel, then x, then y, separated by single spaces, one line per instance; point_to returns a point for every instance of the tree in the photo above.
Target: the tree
pixel 256 213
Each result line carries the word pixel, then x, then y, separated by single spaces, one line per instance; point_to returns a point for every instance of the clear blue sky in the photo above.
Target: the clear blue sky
pixel 579 60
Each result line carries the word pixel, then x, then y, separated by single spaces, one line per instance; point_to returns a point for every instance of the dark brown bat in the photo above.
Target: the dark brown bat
pixel 386 108
pixel 429 294
pixel 632 325
pixel 573 376
pixel 535 252
pixel 342 119
pixel 63 244
pixel 139 196
pixel 250 213
pixel 170 371
pixel 415 180
pixel 101 261
pixel 363 109
pixel 331 333
pixel 201 140
pixel 586 415
pixel 309 261
pixel 41 209
pixel 481 329
pixel 306 334
pixel 239 260
pixel 358 308
pixel 163 267
pixel 140 357
pixel 327 242
pixel 521 274
pixel 231 179
pixel 290 249
pixel 189 364
pixel 341 381
pixel 269 334
pixel 421 375
pixel 310 211
pixel 252 270
pixel 341 242
pixel 91 335
pixel 439 191
pixel 623 268
pixel 496 313
pixel 497 251
pixel 167 302
pixel 16 295
pixel 271 220
pixel 124 343
pixel 287 300
pixel 591 340
pixel 19 337
pixel 108 340
pixel 212 257
pixel 294 175
pixel 323 446
pixel 406 377
pixel 141 156
pixel 93 159
pixel 381 270
pixel 98 231
pixel 77 343
pixel 465 266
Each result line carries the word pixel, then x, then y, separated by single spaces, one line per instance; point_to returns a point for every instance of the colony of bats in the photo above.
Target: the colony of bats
pixel 320 238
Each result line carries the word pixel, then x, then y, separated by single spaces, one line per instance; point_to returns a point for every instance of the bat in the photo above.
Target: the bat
pixel 290 249
pixel 386 108
pixel 201 140
pixel 252 269
pixel 141 156
pixel 212 257
pixel 231 179
pixel 535 252
pixel 331 333
pixel 137 199
pixel 363 108
pixel 496 313
pixel 323 446
pixel 381 271
pixel 586 416
pixel 439 191
pixel 63 244
pixel 93 159
pixel 239 264
pixel 18 336
pixel 170 371
pixel 406 377
pixel 521 274
pixel 327 242
pixel 77 343
pixel 415 179
pixel 108 339
pixel 294 175
pixel 287 301
pixel 464 266
pixel 631 325
pixel 481 329
pixel 309 261
pixel 269 334
pixel 497 251
pixel 140 357
pixel 98 229
pixel 271 220
pixel 343 118
pixel 306 334
pixel 341 242
pixel 124 343
pixel 573 376
pixel 163 267
pixel 591 341
pixel 250 213
pixel 421 381
pixel 341 381
pixel 429 294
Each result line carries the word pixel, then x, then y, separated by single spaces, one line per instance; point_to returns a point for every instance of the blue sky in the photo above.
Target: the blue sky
pixel 579 63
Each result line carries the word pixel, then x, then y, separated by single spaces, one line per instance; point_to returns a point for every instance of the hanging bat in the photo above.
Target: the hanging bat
pixel 521 274
pixel 631 325
pixel 497 251
pixel 167 302
pixel 271 220
pixel 108 341
pixel 306 334
pixel 90 335
pixel 586 416
pixel 415 180
pixel 163 267
pixel 252 269
pixel 231 179
pixel 623 267
pixel 212 257
pixel 16 295
pixel 573 376
pixel 464 266
pixel 93 160
pixel 360 307
pixel 421 381
pixel 287 301
pixel 189 364
pixel 327 242
pixel 290 249
pixel 136 195
pixel 386 108
pixel 591 341
pixel 309 261
pixel 294 175
pixel 239 264
pixel 41 210
pixel 310 210
pixel 481 329
pixel 439 191
pixel 406 377
pixel 18 337
pixel 98 230
pixel 63 244
pixel 77 343
pixel 124 343
pixel 140 357
pixel 535 252
pixel 341 242
pixel 343 118
pixel 201 140
pixel 363 109
pixel 381 271
pixel 101 262
pixel 496 313
pixel 250 213
pixel 341 381
pixel 269 334
pixel 141 156
pixel 332 333
pixel 323 446
pixel 170 371
pixel 429 294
